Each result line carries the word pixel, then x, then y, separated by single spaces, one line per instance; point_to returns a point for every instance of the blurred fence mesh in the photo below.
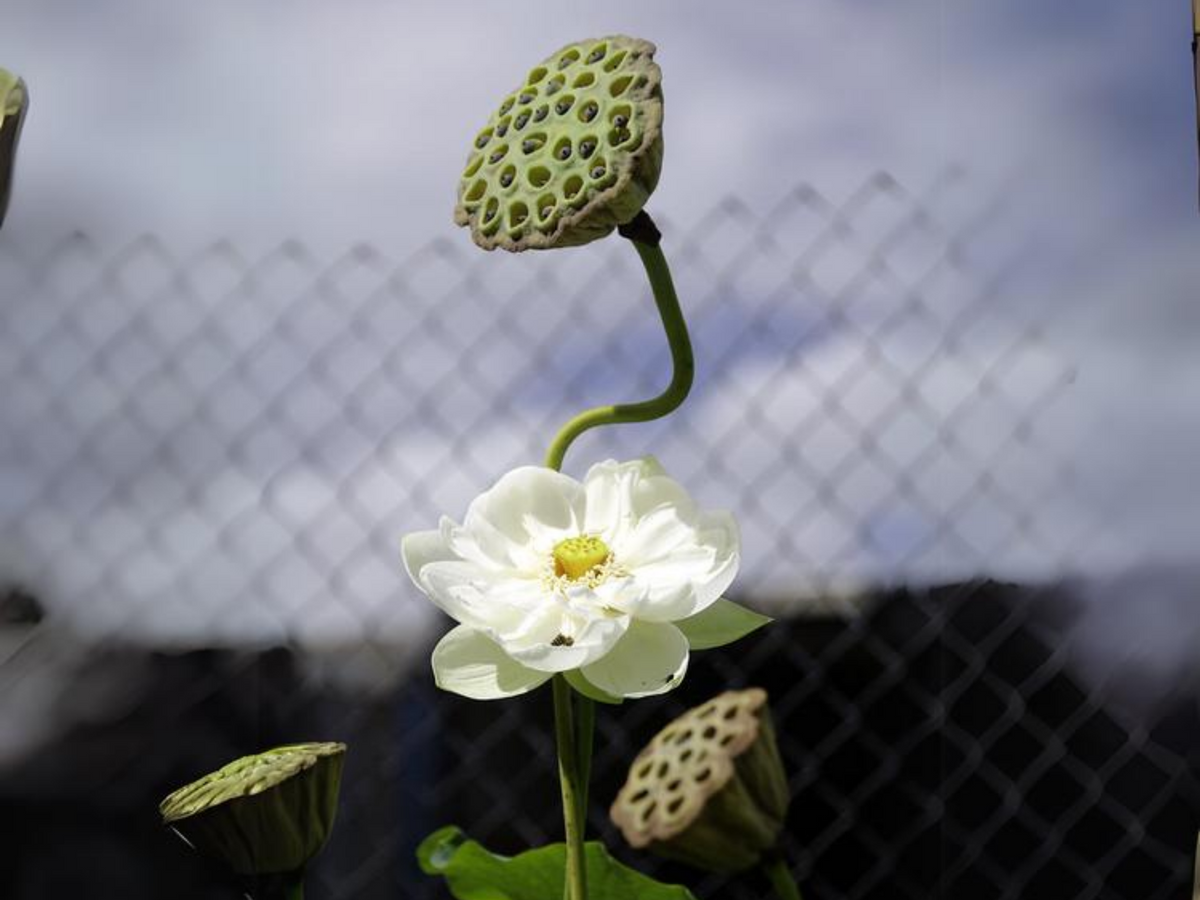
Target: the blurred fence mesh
pixel 221 450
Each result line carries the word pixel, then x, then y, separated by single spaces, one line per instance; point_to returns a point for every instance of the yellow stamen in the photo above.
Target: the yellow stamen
pixel 577 557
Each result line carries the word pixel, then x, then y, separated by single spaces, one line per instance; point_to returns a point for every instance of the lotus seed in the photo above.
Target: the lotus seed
pixel 597 172
pixel 506 179
pixel 546 210
pixel 481 141
pixel 521 121
pixel 596 55
pixel 541 113
pixel 496 156
pixel 564 152
pixel 586 148
pixel 620 121
pixel 589 112
pixel 562 106
pixel 502 129
pixel 525 98
pixel 529 146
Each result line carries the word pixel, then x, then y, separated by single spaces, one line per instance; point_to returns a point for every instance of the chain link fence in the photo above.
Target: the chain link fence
pixel 209 460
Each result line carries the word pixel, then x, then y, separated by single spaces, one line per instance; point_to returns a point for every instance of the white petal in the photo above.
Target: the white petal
pixel 479 597
pixel 529 506
pixel 608 511
pixel 656 536
pixel 650 659
pixel 691 578
pixel 719 531
pixel 576 680
pixel 423 547
pixel 469 663
pixel 541 642
pixel 721 623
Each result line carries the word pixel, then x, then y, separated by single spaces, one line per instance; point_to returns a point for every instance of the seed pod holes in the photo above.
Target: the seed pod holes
pixel 539 156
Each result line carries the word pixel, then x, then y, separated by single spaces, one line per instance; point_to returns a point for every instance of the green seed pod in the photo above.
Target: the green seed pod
pixel 584 133
pixel 14 101
pixel 265 814
pixel 709 789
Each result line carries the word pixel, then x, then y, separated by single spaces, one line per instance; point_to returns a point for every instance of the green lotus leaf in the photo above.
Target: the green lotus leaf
pixel 474 873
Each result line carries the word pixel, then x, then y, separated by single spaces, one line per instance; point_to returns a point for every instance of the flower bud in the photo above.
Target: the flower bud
pixel 265 814
pixel 709 789
pixel 14 100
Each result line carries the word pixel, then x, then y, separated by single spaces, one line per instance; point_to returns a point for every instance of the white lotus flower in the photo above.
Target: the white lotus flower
pixel 611 581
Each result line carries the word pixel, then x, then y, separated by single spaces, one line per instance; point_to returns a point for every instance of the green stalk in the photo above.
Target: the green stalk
pixel 585 728
pixel 645 239
pixel 568 776
pixel 781 878
pixel 574 724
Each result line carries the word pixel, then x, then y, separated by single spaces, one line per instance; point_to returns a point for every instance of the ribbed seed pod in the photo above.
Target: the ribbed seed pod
pixel 265 814
pixel 569 155
pixel 14 101
pixel 709 789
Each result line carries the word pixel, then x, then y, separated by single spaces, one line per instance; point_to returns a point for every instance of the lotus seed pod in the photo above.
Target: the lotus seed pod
pixel 709 789
pixel 570 154
pixel 265 814
pixel 14 100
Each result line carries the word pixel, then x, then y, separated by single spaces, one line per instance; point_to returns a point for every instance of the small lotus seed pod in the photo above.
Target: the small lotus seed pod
pixel 709 789
pixel 14 100
pixel 265 814
pixel 581 143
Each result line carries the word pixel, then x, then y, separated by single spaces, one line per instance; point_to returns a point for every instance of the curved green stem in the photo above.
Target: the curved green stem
pixel 684 366
pixel 568 777
pixel 781 878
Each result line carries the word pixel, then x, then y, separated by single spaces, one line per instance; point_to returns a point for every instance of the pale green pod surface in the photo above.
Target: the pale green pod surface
pixel 14 100
pixel 265 814
pixel 709 789
pixel 570 154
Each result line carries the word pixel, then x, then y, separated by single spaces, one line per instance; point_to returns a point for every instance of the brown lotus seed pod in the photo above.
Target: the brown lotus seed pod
pixel 607 90
pixel 709 789
pixel 264 814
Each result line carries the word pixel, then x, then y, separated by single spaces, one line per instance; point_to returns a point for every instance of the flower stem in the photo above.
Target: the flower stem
pixel 585 728
pixel 781 878
pixel 568 776
pixel 574 723
pixel 645 239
